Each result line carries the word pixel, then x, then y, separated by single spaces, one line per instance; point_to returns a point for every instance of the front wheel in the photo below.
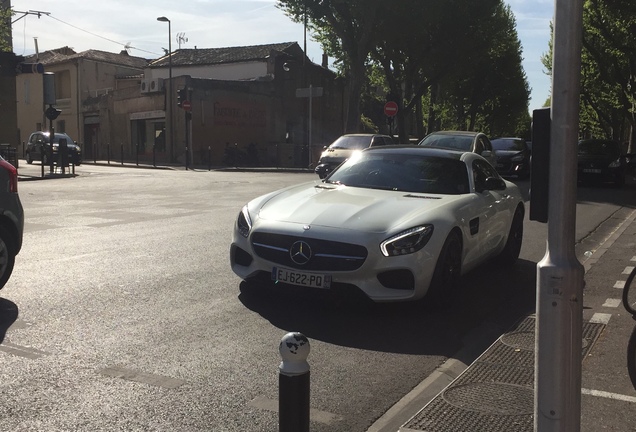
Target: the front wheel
pixel 511 251
pixel 7 257
pixel 29 159
pixel 445 281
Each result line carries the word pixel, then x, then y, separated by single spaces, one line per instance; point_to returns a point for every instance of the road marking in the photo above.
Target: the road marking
pixel 633 258
pixel 314 415
pixel 142 377
pixel 619 284
pixel 612 302
pixel 22 351
pixel 628 269
pixel 600 318
pixel 609 395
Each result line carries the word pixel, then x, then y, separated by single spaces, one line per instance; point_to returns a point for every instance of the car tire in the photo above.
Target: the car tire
pixel 511 251
pixel 445 281
pixel 7 256
pixel 29 159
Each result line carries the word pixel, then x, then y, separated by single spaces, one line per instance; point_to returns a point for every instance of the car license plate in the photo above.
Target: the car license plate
pixel 294 277
pixel 592 170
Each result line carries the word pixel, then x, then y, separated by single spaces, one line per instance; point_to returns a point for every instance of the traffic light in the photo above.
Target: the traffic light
pixel 182 95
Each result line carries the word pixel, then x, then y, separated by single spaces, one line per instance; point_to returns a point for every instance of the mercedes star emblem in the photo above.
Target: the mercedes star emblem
pixel 300 253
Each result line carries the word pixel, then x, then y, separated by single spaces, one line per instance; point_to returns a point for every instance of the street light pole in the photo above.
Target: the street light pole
pixel 171 123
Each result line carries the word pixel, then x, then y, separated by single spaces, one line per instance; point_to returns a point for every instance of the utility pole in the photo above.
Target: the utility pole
pixel 558 342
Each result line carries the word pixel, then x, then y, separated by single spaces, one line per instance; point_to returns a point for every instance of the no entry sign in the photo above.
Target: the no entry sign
pixel 390 109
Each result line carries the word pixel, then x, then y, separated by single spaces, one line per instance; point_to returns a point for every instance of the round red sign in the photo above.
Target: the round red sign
pixel 390 109
pixel 186 105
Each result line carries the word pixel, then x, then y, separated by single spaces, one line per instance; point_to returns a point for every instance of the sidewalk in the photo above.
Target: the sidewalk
pixel 496 392
pixel 34 171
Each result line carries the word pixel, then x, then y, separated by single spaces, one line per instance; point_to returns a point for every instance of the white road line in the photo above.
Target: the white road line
pixel 600 318
pixel 612 302
pixel 628 269
pixel 609 395
pixel 633 258
pixel 619 284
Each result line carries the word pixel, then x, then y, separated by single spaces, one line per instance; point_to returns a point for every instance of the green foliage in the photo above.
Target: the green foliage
pixel 467 51
pixel 5 29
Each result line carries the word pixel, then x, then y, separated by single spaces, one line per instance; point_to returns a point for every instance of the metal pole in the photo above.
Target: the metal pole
pixel 310 117
pixel 558 342
pixel 293 381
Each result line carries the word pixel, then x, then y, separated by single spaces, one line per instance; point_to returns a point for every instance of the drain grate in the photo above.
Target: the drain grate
pixel 496 393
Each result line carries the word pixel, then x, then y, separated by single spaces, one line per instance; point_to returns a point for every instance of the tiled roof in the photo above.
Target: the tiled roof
pixel 66 54
pixel 210 56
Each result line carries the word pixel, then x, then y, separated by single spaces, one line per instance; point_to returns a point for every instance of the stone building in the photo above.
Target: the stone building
pixel 247 105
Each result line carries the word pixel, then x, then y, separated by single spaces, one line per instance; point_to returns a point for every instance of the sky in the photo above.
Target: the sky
pixel 114 25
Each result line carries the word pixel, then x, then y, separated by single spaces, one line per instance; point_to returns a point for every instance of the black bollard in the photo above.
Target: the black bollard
pixel 293 384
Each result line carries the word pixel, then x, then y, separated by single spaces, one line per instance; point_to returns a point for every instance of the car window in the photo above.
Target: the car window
pixel 481 171
pixel 377 141
pixel 479 146
pixel 509 144
pixel 351 142
pixel 599 148
pixel 404 172
pixel 448 141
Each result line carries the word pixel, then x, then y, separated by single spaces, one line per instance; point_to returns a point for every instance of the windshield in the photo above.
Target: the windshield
pixel 351 142
pixel 449 142
pixel 403 172
pixel 599 148
pixel 508 144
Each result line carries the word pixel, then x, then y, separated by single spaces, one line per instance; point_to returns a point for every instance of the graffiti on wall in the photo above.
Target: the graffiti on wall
pixel 234 114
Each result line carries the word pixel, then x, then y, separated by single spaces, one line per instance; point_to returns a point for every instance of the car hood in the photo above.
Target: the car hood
pixel 352 208
pixel 600 159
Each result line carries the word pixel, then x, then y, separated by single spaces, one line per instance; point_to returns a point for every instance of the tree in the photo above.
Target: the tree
pixel 5 26
pixel 346 30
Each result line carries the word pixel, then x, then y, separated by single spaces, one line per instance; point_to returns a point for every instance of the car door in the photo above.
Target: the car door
pixel 490 212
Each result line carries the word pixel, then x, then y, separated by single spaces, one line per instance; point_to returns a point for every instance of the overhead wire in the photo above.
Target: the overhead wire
pixel 127 45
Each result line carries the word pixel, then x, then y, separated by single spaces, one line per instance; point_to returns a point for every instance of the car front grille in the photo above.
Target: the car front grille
pixel 321 255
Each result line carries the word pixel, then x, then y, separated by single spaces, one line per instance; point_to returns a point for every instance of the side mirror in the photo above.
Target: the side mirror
pixel 495 183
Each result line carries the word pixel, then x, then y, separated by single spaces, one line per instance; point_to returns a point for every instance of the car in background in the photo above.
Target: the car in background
pixel 394 223
pixel 340 150
pixel 475 142
pixel 513 157
pixel 601 161
pixel 11 220
pixel 38 148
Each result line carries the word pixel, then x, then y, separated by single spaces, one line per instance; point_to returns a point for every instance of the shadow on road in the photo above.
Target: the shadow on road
pixel 490 293
pixel 8 315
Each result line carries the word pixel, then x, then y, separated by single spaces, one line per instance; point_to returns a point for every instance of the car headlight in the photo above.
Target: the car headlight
pixel 407 242
pixel 244 222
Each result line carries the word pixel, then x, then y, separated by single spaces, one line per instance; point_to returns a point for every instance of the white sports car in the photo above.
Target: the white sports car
pixel 394 222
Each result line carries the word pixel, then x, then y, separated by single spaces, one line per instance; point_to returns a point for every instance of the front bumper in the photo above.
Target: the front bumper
pixel 380 278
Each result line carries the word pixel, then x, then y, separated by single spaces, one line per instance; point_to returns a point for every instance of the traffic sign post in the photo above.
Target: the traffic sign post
pixel 390 110
pixel 309 92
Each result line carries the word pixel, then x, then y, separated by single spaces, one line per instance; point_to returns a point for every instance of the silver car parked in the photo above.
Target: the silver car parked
pixel 11 220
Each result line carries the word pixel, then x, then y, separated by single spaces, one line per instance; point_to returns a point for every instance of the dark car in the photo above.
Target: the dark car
pixel 475 142
pixel 601 161
pixel 513 157
pixel 11 220
pixel 344 146
pixel 38 148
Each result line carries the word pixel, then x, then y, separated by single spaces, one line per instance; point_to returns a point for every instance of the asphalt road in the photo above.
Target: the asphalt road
pixel 123 314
